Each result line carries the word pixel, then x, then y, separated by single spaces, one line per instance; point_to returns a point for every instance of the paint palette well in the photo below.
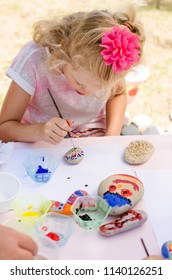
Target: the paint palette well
pixel 90 211
pixel 40 167
pixel 30 207
pixel 55 226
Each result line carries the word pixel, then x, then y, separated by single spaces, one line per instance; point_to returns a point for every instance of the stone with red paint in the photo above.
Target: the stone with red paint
pixel 121 191
pixel 74 155
pixel 127 221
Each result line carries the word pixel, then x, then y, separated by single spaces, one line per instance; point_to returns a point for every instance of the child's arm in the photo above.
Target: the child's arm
pixel 11 128
pixel 115 111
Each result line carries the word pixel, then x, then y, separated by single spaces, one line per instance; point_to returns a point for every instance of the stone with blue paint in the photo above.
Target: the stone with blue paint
pixel 121 191
pixel 74 155
pixel 166 250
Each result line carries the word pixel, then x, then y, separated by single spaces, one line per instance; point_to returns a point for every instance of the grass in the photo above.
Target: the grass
pixel 154 98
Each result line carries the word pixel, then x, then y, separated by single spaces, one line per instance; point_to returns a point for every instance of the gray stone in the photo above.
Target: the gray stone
pixel 152 130
pixel 130 129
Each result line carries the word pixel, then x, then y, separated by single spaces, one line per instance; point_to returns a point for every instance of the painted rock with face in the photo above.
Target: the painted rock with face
pixel 166 250
pixel 121 191
pixel 138 152
pixel 127 221
pixel 74 155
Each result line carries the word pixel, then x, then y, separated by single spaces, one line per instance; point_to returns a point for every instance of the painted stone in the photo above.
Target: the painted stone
pixel 121 191
pixel 74 155
pixel 166 250
pixel 76 194
pixel 138 152
pixel 127 221
pixel 60 208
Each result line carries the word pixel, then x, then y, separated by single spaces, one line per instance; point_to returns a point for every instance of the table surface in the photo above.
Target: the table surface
pixel 81 244
pixel 162 157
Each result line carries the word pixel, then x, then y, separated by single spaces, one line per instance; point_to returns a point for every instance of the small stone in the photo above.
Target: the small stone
pixel 142 120
pixel 138 152
pixel 75 195
pixel 166 250
pixel 60 207
pixel 121 192
pixel 130 129
pixel 152 130
pixel 127 221
pixel 74 155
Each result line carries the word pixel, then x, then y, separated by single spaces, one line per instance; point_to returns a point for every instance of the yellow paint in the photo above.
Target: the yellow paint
pixel 31 214
pixel 119 186
pixel 29 207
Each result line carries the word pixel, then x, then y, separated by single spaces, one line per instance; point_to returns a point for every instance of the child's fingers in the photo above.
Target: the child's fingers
pixel 22 254
pixel 56 129
pixel 27 243
pixel 61 124
pixel 70 122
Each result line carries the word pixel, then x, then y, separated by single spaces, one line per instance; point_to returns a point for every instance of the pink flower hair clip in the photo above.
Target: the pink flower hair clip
pixel 122 48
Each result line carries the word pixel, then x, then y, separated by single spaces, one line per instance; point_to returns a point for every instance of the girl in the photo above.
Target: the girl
pixel 82 60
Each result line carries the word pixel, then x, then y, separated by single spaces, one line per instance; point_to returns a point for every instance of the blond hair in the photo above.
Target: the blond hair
pixel 76 40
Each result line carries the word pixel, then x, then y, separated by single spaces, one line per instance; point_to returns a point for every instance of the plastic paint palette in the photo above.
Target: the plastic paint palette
pixel 90 211
pixel 55 226
pixel 29 208
pixel 40 167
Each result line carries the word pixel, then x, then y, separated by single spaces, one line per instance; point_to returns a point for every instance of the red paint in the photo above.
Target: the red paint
pixel 53 236
pixel 125 192
pixel 57 203
pixel 112 188
pixel 44 228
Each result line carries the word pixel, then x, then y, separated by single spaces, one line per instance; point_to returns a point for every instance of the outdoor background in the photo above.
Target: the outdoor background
pixel 155 96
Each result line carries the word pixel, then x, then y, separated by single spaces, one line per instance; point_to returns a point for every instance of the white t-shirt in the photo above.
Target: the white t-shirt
pixel 28 70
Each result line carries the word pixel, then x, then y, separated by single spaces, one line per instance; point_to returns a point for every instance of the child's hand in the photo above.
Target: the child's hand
pixel 54 130
pixel 15 245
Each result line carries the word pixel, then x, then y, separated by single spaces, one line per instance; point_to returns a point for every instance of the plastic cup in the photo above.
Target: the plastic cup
pixel 40 166
pixel 28 208
pixel 55 226
pixel 90 211
pixel 47 250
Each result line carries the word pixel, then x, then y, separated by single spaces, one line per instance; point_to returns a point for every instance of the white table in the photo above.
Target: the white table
pixel 85 244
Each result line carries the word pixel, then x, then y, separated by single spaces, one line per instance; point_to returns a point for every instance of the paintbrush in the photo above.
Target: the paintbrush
pixel 144 246
pixel 68 133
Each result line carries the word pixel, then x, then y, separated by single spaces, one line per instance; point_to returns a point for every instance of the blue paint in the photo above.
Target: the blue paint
pixel 115 199
pixel 43 158
pixel 42 170
pixel 74 156
pixel 79 193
